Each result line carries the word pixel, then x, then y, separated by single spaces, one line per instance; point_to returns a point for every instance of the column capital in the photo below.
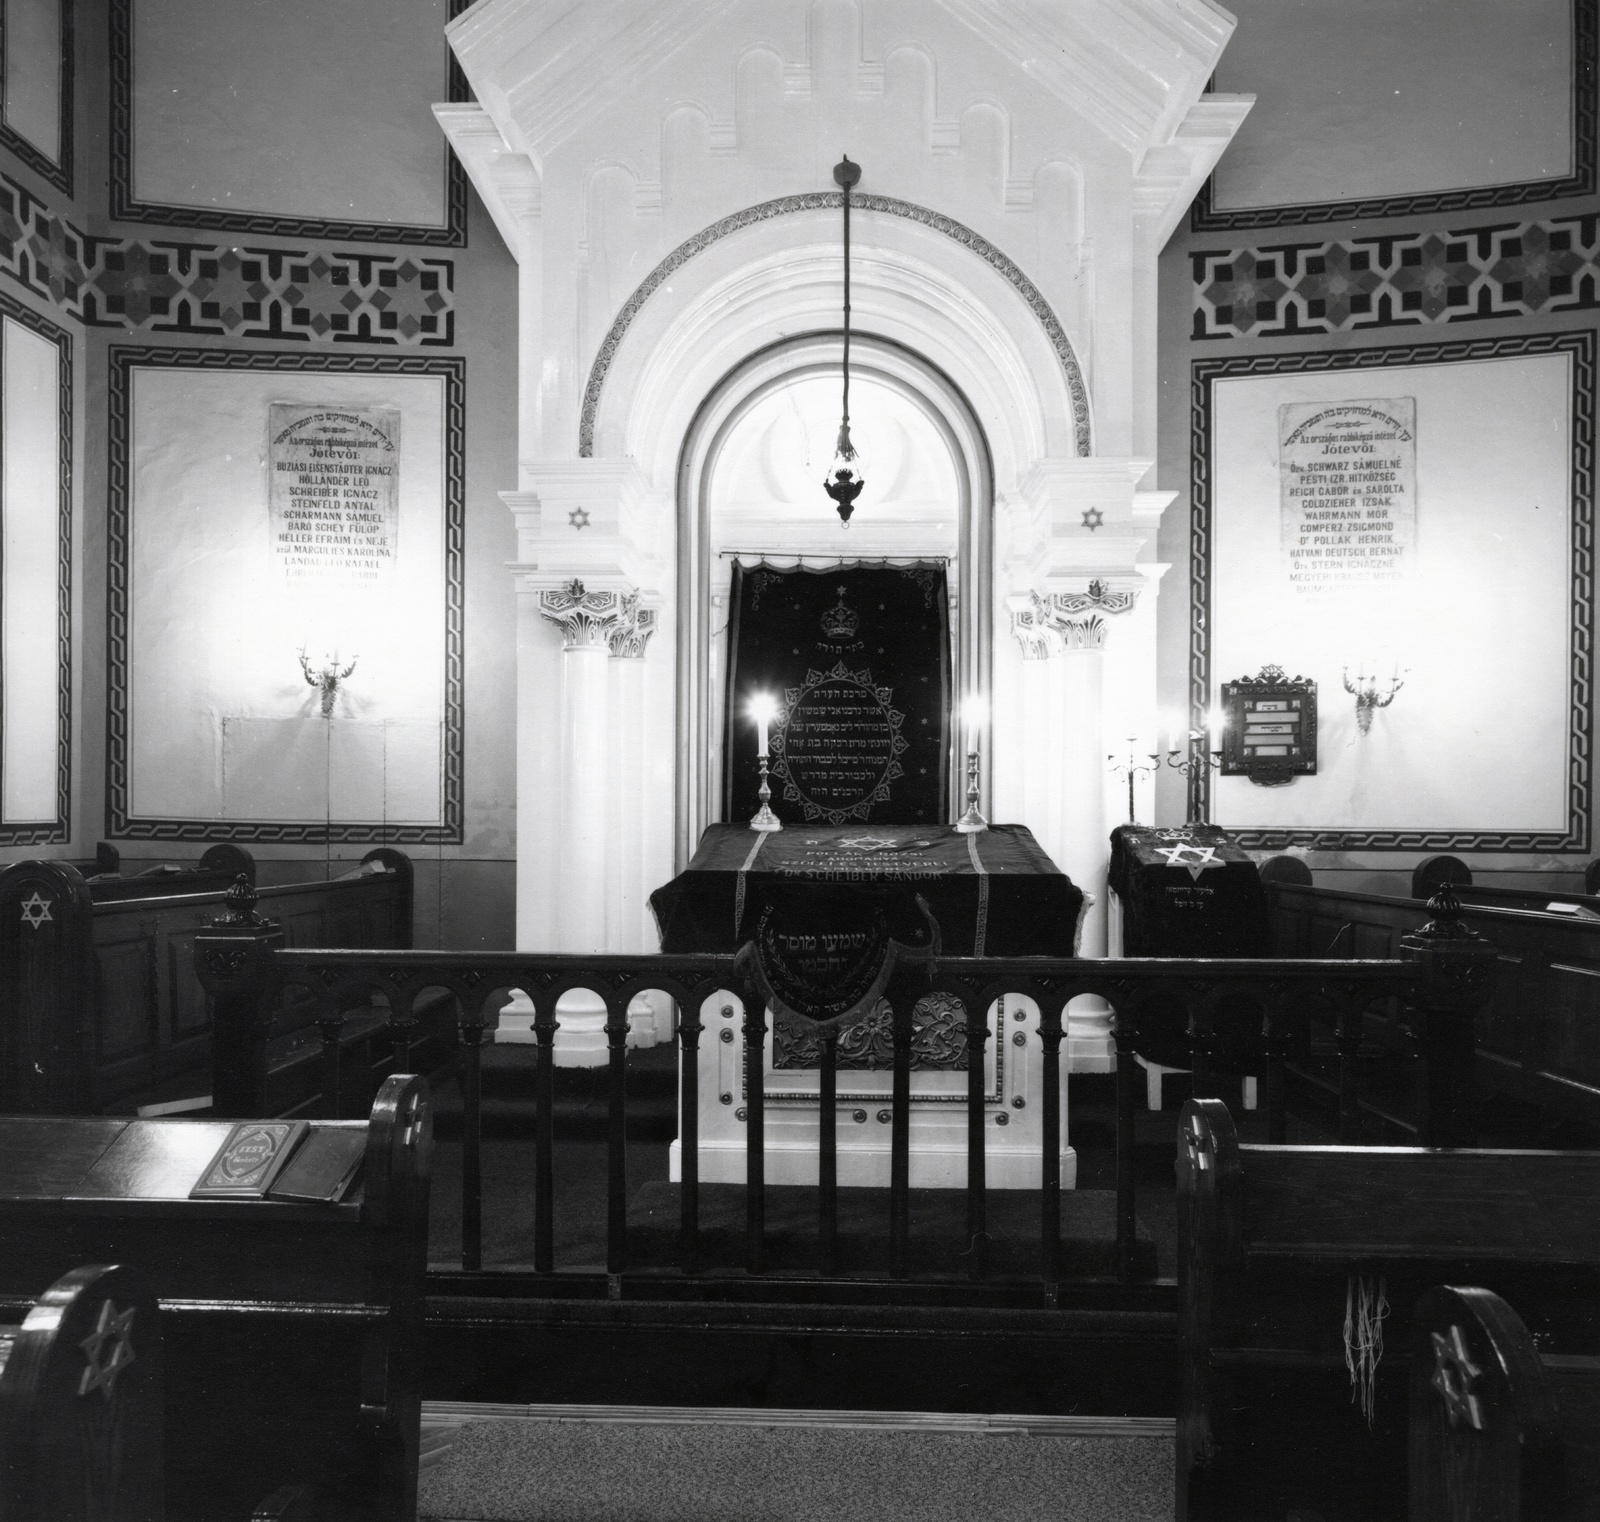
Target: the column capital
pixel 1103 595
pixel 633 630
pixel 1048 623
pixel 1030 625
pixel 589 620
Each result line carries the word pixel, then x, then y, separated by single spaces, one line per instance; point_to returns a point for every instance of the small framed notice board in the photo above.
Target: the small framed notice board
pixel 1270 727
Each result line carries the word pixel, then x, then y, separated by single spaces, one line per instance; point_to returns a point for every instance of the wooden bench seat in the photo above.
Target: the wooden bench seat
pixel 100 1007
pixel 1279 1245
pixel 292 1329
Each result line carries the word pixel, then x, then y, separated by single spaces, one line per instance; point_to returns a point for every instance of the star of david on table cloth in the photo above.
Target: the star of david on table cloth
pixel 36 910
pixel 1197 859
pixel 105 1364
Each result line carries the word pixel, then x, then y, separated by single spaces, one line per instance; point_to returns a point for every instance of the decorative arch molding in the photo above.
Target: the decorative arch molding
pixel 823 200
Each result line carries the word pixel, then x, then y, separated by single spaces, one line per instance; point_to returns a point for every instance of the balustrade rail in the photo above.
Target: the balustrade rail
pixel 1213 1017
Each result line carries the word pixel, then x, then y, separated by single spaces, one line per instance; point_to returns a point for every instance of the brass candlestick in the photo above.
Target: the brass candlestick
pixel 764 819
pixel 972 821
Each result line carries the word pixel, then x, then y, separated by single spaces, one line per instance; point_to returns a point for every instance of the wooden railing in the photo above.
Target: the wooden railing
pixel 1212 1017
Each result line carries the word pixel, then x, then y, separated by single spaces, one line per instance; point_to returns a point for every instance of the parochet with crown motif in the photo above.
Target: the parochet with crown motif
pixel 858 660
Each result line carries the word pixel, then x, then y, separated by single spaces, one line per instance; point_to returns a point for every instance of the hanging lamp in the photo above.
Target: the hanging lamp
pixel 844 481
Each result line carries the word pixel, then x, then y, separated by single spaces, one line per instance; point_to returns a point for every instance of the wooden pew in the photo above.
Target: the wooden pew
pixel 1278 1245
pixel 1501 1430
pixel 100 1009
pixel 1533 1040
pixel 292 1330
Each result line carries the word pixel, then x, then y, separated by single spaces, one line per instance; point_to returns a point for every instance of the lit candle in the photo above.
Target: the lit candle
pixel 974 710
pixel 762 709
pixel 1215 720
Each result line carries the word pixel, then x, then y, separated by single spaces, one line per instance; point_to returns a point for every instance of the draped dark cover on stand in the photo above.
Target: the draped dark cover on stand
pixel 858 660
pixel 1189 892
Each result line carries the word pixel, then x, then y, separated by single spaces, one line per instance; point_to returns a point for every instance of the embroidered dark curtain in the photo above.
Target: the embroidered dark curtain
pixel 858 660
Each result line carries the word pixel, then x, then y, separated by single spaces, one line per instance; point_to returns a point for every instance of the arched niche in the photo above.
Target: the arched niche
pixel 933 412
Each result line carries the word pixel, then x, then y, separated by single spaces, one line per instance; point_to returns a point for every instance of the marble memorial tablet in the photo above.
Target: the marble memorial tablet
pixel 1348 483
pixel 334 478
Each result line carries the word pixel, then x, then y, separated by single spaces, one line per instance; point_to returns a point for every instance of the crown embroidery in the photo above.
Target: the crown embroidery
pixel 840 622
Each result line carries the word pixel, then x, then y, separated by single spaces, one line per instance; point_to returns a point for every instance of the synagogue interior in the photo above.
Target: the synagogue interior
pixel 795 759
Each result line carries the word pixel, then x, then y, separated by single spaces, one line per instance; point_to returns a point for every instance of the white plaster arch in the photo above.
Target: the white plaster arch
pixel 716 414
pixel 700 314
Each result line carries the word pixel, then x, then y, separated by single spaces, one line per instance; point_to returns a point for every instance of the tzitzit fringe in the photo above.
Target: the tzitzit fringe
pixel 1365 1307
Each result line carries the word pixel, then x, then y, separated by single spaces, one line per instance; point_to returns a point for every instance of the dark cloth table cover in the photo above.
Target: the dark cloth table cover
pixel 1189 892
pixel 994 893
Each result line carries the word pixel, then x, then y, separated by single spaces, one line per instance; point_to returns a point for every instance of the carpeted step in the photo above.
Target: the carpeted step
pixel 491 1463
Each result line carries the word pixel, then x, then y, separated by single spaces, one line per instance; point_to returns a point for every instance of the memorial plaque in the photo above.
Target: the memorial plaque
pixel 858 660
pixel 1348 487
pixel 334 493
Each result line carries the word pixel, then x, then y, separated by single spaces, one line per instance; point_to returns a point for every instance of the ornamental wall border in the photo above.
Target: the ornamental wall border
pixel 823 200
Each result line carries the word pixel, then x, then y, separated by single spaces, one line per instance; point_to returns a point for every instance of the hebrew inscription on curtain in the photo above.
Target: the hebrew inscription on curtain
pixel 858 661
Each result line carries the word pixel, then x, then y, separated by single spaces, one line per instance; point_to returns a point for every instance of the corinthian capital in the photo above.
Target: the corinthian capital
pixel 633 630
pixel 1099 597
pixel 1030 624
pixel 588 620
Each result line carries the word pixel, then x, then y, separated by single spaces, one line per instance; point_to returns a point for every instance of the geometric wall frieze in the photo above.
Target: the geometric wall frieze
pixel 1398 280
pixel 224 290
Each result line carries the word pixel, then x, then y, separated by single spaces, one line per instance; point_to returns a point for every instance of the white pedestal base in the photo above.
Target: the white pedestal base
pixel 581 1018
pixel 1013 1111
pixel 937 1162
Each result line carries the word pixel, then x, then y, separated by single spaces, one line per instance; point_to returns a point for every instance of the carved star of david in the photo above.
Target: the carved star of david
pixel 1454 1375
pixel 1093 518
pixel 36 910
pixel 579 517
pixel 1197 859
pixel 104 1364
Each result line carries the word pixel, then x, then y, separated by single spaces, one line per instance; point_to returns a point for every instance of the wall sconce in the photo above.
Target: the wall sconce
pixel 1368 697
pixel 327 680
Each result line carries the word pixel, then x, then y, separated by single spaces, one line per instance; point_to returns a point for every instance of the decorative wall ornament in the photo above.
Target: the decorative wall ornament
pixel 1398 280
pixel 589 620
pixel 826 200
pixel 126 208
pixel 219 290
pixel 1207 217
pixel 1580 347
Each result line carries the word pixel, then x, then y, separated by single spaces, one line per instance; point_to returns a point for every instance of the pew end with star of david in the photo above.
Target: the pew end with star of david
pixel 81 1402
